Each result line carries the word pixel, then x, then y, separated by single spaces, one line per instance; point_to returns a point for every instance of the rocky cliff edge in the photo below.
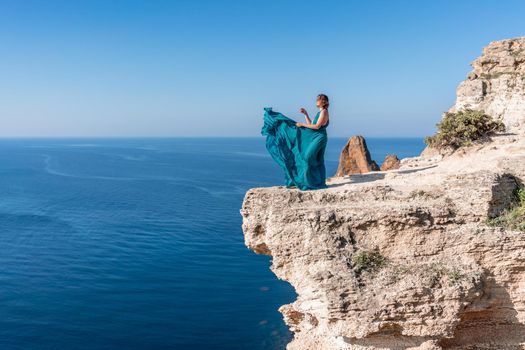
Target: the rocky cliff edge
pixel 406 259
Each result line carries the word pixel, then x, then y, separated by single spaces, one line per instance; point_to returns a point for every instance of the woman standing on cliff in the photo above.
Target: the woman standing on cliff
pixel 299 148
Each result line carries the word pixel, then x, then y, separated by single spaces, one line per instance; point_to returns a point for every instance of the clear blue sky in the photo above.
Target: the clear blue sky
pixel 207 68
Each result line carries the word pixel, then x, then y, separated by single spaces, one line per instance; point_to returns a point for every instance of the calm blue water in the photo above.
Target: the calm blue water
pixel 137 243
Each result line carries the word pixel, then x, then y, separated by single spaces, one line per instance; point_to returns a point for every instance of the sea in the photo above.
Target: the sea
pixel 136 243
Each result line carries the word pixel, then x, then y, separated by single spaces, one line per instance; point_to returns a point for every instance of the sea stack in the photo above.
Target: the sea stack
pixel 391 162
pixel 355 158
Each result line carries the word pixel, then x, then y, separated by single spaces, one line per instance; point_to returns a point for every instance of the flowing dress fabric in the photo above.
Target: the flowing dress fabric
pixel 298 151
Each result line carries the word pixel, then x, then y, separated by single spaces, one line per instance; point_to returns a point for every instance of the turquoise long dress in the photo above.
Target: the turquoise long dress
pixel 298 151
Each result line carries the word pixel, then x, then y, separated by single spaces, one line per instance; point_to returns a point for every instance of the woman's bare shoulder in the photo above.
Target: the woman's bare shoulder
pixel 324 116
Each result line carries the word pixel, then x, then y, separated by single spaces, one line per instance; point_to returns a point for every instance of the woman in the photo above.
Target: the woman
pixel 299 148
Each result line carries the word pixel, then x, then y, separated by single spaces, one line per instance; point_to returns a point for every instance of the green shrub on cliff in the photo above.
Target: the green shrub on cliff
pixel 514 217
pixel 368 261
pixel 463 128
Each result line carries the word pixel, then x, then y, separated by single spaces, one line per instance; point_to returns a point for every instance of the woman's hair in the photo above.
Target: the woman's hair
pixel 324 100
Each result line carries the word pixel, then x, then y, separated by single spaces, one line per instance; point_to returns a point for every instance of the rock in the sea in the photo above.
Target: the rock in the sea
pixel 408 260
pixel 355 158
pixel 391 163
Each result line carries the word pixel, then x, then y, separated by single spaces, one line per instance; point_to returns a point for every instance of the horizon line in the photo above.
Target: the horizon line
pixel 179 136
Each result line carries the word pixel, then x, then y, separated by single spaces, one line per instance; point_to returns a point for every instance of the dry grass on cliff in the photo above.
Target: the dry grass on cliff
pixel 514 217
pixel 373 262
pixel 463 128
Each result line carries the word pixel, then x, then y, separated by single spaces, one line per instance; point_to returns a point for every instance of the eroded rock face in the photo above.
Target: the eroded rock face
pixel 355 158
pixel 497 84
pixel 446 279
pixel 447 274
pixel 391 162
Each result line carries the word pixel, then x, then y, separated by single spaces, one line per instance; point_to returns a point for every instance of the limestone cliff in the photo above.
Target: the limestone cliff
pixel 405 259
pixel 497 84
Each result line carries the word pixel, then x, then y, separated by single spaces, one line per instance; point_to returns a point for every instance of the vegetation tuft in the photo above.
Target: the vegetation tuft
pixel 512 218
pixel 462 128
pixel 437 271
pixel 368 261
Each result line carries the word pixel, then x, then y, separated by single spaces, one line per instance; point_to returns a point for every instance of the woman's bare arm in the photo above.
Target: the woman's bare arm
pixel 320 122
pixel 303 111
